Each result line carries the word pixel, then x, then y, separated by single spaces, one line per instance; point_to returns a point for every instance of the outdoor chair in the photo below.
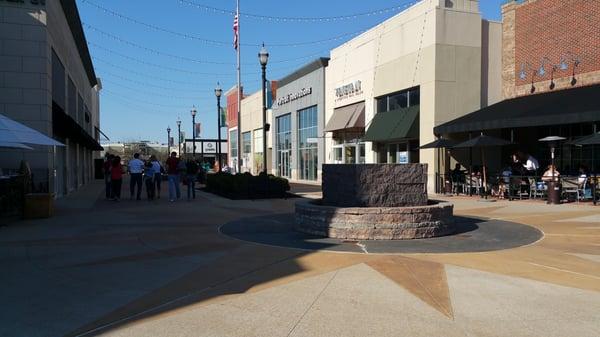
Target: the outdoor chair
pixel 537 188
pixel 515 189
pixel 571 187
pixel 476 184
pixel 458 184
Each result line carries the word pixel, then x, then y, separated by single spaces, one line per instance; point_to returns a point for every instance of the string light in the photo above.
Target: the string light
pixel 145 92
pixel 300 19
pixel 136 100
pixel 146 75
pixel 143 84
pixel 136 107
pixel 150 50
pixel 223 43
pixel 154 27
pixel 191 72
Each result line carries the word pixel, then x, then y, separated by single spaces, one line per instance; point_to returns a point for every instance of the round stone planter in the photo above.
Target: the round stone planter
pixel 374 223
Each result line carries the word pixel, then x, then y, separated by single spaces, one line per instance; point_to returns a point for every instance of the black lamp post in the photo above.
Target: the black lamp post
pixel 168 141
pixel 263 58
pixel 179 138
pixel 218 93
pixel 193 112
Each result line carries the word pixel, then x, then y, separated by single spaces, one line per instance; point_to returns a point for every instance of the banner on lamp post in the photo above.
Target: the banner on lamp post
pixel 223 117
pixel 198 129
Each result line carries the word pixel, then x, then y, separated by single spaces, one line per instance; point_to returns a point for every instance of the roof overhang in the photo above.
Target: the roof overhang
pixel 570 106
pixel 74 21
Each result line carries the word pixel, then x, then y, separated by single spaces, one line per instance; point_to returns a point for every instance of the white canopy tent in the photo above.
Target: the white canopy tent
pixel 16 135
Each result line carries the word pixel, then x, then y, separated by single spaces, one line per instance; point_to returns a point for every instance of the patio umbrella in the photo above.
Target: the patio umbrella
pixel 482 141
pixel 14 146
pixel 439 144
pixel 15 132
pixel 593 139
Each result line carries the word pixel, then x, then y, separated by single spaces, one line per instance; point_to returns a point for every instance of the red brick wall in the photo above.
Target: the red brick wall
pixel 551 28
pixel 232 108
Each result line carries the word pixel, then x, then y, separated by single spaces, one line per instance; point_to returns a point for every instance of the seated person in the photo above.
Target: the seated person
pixel 551 174
pixel 582 178
pixel 457 174
pixel 504 181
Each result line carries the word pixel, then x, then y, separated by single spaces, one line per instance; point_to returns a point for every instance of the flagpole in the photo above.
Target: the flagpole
pixel 239 93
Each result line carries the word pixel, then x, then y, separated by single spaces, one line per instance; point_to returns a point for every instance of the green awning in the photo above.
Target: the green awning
pixel 392 125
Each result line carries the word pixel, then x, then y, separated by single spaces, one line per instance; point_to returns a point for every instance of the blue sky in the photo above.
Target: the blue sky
pixel 158 58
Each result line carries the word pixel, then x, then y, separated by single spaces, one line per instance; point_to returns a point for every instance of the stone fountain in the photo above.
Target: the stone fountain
pixel 374 202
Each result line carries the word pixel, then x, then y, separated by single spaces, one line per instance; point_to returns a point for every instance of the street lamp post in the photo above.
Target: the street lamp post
pixel 263 58
pixel 193 112
pixel 218 93
pixel 168 141
pixel 179 138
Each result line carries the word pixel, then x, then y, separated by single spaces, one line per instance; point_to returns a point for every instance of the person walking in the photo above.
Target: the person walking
pixel 191 170
pixel 158 171
pixel 173 172
pixel 136 167
pixel 116 178
pixel 149 179
pixel 106 168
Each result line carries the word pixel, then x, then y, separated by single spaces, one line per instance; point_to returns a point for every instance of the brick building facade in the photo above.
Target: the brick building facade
pixel 550 41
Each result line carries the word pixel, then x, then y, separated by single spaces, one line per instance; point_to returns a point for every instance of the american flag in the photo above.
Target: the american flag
pixel 235 32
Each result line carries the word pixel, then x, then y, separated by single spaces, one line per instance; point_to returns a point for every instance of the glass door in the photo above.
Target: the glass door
pixel 284 163
pixel 350 154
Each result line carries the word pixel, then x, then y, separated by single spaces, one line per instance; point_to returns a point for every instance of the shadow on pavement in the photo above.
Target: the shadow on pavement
pixel 99 265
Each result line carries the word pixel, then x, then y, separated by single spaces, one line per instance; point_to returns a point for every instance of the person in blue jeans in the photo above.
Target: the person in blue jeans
pixel 136 169
pixel 173 172
pixel 149 180
pixel 158 170
pixel 191 172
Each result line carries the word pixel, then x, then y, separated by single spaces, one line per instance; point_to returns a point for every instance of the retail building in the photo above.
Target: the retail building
pixel 389 87
pixel 231 97
pixel 550 83
pixel 298 123
pixel 48 83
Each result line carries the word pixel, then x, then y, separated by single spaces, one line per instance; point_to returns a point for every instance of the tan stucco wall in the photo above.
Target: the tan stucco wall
pixel 252 121
pixel 428 45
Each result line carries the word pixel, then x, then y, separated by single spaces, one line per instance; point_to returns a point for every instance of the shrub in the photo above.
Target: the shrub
pixel 247 186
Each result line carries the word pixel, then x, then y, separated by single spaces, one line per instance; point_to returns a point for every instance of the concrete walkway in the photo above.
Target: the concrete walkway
pixel 140 268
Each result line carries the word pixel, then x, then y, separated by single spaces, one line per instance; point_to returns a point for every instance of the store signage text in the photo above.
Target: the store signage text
pixel 292 97
pixel 348 90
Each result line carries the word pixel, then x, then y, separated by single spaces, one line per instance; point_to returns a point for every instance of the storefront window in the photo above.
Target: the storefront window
pixel 258 150
pixel 233 143
pixel 284 144
pixel 398 151
pixel 307 144
pixel 348 148
pixel 337 154
pixel 399 100
pixel 247 142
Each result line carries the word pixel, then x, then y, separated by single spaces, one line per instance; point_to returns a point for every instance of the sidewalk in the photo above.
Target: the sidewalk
pixel 140 268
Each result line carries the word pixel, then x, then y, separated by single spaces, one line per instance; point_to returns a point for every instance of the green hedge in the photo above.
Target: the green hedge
pixel 247 186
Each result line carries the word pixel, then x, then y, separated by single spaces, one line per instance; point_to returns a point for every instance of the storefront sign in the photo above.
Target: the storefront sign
pixel 209 147
pixel 292 97
pixel 348 90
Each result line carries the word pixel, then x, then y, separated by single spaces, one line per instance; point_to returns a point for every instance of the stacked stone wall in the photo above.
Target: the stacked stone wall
pixel 375 185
